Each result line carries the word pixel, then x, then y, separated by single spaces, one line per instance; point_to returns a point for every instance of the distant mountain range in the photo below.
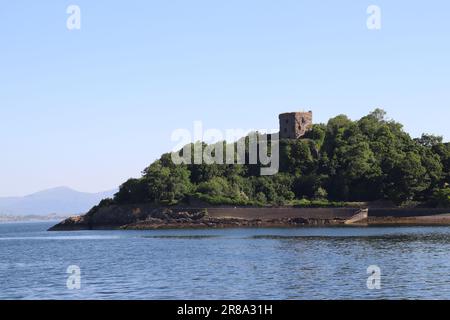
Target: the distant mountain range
pixel 60 201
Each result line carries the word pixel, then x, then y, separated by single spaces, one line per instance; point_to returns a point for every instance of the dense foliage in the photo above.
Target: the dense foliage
pixel 366 160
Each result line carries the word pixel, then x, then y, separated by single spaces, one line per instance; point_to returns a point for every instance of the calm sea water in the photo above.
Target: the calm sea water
pixel 307 263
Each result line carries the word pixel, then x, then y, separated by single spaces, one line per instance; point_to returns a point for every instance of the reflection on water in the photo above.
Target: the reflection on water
pixel 91 237
pixel 304 263
pixel 187 237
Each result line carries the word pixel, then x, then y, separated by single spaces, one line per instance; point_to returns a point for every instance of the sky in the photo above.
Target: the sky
pixel 90 108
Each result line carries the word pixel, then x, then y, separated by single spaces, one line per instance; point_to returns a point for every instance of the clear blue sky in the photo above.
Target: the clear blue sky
pixel 90 108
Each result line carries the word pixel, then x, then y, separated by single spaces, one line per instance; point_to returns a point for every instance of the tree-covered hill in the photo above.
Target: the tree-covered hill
pixel 341 161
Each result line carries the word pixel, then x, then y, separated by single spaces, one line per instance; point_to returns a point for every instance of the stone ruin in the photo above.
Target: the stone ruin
pixel 294 125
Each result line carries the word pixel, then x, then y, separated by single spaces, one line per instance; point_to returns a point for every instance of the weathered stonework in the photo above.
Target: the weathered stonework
pixel 293 125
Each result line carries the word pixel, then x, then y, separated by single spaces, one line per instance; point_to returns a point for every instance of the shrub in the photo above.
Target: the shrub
pixel 441 197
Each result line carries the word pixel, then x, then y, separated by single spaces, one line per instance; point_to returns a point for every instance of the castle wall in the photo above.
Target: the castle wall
pixel 295 124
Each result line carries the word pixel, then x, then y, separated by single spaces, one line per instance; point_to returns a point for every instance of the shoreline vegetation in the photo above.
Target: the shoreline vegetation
pixel 371 162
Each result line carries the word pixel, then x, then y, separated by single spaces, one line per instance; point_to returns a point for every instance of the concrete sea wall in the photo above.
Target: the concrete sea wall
pixel 322 213
pixel 277 213
pixel 412 212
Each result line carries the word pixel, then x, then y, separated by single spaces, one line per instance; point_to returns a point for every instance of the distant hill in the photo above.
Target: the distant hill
pixel 61 201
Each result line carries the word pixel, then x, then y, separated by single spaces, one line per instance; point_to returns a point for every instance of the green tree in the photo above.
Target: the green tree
pixel 405 180
pixel 132 191
pixel 368 159
pixel 167 184
pixel 441 197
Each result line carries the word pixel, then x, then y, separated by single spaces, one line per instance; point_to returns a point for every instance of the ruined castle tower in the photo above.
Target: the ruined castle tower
pixel 293 125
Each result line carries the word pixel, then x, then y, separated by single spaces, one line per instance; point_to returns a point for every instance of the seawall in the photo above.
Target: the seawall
pixel 285 213
pixel 405 212
pixel 145 216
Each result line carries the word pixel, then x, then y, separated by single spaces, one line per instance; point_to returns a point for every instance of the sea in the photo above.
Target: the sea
pixel 259 264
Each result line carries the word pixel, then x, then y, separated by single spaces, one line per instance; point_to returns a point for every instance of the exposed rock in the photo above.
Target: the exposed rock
pixel 72 223
pixel 146 216
pixel 150 217
pixel 299 221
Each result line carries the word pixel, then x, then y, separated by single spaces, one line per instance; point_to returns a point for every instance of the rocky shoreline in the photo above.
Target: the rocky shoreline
pixel 165 218
pixel 221 223
pixel 148 217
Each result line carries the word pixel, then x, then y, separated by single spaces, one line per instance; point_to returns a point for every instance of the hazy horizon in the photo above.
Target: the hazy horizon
pixel 57 188
pixel 90 108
